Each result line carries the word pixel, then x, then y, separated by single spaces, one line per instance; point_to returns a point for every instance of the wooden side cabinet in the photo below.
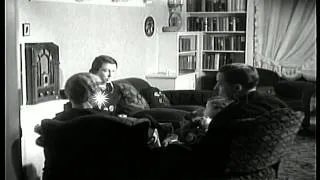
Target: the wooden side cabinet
pixel 42 72
pixel 172 82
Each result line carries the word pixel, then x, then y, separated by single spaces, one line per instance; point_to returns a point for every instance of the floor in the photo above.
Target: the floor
pixel 300 161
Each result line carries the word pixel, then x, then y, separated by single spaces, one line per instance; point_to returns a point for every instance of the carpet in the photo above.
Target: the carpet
pixel 300 161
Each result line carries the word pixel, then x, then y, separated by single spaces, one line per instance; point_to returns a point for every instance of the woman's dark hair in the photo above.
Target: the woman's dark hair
pixel 99 61
pixel 238 73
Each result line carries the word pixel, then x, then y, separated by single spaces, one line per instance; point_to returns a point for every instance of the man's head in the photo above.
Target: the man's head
pixel 104 66
pixel 80 87
pixel 234 80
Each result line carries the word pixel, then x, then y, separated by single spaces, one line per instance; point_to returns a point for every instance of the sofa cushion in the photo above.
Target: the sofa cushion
pixel 188 97
pixel 131 100
pixel 155 97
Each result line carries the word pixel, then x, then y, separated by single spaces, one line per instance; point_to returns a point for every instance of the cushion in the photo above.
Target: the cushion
pixel 155 97
pixel 131 101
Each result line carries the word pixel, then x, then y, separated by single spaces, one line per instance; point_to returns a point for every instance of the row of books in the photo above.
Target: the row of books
pixel 187 62
pixel 232 43
pixel 185 45
pixel 216 5
pixel 224 23
pixel 216 60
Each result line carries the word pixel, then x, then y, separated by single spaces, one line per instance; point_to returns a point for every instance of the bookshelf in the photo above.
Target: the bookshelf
pixel 188 53
pixel 222 31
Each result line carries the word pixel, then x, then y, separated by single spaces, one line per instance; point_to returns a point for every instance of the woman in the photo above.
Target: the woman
pixel 105 66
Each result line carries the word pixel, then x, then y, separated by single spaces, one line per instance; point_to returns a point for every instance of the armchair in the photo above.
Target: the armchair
pixel 93 146
pixel 259 144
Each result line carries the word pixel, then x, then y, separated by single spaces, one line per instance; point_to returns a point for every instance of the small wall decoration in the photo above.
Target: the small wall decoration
pixel 149 26
pixel 26 29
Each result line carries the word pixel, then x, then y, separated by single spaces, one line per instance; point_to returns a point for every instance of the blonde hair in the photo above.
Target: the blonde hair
pixel 81 86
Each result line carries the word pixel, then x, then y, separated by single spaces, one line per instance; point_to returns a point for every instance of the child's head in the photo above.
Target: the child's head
pixel 80 87
pixel 104 66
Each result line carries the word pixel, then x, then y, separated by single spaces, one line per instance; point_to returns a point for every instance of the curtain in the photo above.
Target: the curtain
pixel 285 37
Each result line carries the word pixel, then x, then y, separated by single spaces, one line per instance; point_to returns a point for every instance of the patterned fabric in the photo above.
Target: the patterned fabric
pixel 155 97
pixel 215 105
pixel 261 142
pixel 131 101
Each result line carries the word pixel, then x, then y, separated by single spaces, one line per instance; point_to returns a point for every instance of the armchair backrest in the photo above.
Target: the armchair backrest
pixel 138 83
pixel 267 77
pixel 261 142
pixel 93 145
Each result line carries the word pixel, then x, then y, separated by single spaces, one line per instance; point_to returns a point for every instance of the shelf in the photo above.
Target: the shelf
pixel 210 70
pixel 162 75
pixel 132 3
pixel 187 53
pixel 215 14
pixel 221 51
pixel 224 32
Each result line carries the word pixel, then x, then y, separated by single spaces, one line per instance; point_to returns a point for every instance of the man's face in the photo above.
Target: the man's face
pixel 106 72
pixel 222 87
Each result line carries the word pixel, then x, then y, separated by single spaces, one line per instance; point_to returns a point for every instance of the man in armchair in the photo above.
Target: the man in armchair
pixel 209 156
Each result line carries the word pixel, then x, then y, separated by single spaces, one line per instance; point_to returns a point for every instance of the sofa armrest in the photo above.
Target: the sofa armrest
pixel 188 97
pixel 295 89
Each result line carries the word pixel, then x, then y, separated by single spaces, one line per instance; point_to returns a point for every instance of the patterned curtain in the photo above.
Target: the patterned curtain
pixel 285 37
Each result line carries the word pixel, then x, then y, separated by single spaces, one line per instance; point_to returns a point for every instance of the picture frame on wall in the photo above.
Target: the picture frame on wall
pixel 26 29
pixel 149 26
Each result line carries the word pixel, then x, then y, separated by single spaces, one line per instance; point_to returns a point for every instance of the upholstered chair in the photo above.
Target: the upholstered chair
pixel 259 144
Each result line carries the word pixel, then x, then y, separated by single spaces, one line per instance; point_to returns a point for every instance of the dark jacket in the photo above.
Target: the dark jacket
pixel 214 146
pixel 76 112
pixel 209 157
pixel 113 99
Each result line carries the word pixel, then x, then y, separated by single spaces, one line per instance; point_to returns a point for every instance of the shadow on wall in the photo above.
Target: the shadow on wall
pixel 16 158
pixel 30 172
pixel 27 172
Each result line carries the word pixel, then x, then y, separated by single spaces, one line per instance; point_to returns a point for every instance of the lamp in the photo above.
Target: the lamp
pixel 175 19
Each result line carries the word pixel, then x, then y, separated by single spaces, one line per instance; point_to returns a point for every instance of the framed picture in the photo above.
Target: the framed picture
pixel 149 26
pixel 26 29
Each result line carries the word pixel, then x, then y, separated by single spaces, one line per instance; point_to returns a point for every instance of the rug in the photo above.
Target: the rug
pixel 300 161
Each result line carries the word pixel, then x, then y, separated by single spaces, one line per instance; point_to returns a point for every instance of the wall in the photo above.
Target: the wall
pixel 85 31
pixel 11 90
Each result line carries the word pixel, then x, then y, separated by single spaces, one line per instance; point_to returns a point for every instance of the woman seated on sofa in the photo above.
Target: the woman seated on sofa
pixel 104 67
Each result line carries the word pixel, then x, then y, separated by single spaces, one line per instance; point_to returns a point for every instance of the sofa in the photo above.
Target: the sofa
pixel 297 94
pixel 180 102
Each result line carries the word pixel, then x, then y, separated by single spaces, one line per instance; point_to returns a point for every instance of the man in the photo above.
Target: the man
pixel 236 82
pixel 209 156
